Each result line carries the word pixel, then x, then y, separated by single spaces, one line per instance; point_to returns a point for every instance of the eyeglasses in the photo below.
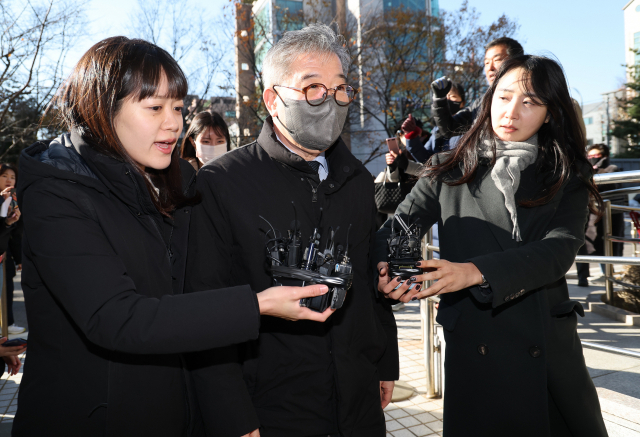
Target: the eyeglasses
pixel 317 93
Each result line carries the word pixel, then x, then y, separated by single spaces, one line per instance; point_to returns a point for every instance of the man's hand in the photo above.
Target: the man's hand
pixel 254 433
pixel 441 87
pixel 284 302
pixel 386 391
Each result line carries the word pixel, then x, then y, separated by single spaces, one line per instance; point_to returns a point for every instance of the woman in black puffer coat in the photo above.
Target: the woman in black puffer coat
pixel 106 213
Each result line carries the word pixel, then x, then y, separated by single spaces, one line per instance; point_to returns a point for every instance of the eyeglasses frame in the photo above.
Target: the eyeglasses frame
pixel 304 91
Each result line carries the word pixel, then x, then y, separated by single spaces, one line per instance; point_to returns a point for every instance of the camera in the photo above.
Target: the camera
pixel 405 249
pixel 331 267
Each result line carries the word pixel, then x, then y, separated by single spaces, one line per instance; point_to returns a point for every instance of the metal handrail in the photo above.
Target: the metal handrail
pixel 612 349
pixel 619 177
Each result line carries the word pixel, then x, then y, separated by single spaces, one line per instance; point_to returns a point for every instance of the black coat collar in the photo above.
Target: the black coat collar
pixel 122 180
pixel 342 163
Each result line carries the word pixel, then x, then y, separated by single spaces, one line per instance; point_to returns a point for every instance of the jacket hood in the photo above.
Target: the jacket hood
pixel 58 159
pixel 70 157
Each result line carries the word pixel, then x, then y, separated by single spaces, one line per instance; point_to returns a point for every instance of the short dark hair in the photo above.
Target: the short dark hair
pixel 513 47
pixel 111 71
pixel 460 90
pixel 603 148
pixel 201 122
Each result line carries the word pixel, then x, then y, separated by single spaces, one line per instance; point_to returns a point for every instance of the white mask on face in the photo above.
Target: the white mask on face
pixel 207 153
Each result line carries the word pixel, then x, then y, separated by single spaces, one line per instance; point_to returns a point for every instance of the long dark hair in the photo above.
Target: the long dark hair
pixel 111 71
pixel 201 122
pixel 561 144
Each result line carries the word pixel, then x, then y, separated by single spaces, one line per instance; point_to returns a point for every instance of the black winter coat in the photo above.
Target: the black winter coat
pixel 515 351
pixel 103 290
pixel 304 378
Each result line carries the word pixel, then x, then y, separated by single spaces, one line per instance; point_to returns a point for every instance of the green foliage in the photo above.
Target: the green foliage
pixel 628 128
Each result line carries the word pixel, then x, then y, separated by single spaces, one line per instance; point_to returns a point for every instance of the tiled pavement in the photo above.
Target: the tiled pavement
pixel 417 416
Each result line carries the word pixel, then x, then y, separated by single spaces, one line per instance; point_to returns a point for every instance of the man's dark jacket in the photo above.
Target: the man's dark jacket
pixel 102 278
pixel 291 370
pixel 517 351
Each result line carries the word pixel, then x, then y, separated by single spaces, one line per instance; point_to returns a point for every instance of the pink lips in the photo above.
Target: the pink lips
pixel 509 129
pixel 165 147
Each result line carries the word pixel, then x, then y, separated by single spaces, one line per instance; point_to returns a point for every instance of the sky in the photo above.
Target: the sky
pixel 586 36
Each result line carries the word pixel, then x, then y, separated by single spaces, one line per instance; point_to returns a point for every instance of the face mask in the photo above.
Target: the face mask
pixel 597 162
pixel 207 153
pixel 454 106
pixel 313 127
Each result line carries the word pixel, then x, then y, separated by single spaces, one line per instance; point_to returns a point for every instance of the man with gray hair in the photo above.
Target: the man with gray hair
pixel 299 379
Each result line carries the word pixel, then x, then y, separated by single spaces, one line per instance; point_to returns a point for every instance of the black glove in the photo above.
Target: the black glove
pixel 441 87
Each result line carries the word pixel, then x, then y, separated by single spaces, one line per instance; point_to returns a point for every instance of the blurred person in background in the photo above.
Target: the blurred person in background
pixel 10 238
pixel 207 138
pixel 598 156
pixel 436 143
pixel 451 123
pixel 107 213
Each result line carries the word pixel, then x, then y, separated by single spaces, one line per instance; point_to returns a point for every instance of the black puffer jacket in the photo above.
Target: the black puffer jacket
pixel 102 278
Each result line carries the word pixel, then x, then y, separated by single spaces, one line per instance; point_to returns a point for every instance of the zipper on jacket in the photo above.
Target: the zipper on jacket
pixel 314 191
pixel 155 225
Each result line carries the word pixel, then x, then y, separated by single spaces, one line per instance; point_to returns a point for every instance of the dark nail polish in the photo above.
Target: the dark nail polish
pixel 399 279
pixel 418 264
pixel 414 279
pixel 414 298
pixel 418 287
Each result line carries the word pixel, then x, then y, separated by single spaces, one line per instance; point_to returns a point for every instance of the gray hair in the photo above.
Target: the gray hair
pixel 316 38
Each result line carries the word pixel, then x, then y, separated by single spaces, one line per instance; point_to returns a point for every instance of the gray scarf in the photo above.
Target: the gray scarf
pixel 512 158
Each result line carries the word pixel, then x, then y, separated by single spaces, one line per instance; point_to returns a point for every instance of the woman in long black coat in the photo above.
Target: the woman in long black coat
pixel 511 203
pixel 106 213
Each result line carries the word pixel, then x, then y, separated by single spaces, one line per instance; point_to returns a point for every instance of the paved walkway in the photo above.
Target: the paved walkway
pixel 417 416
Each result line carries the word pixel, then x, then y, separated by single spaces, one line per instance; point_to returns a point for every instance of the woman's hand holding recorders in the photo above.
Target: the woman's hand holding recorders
pixel 284 302
pixel 449 277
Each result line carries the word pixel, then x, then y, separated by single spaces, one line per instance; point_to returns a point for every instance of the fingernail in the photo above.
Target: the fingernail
pixel 414 298
pixel 410 280
pixel 418 264
pixel 418 287
pixel 399 279
pixel 414 279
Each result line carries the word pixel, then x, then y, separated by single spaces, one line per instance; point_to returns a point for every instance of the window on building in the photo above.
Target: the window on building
pixel 435 8
pixel 289 15
pixel 230 114
pixel 588 120
pixel 413 5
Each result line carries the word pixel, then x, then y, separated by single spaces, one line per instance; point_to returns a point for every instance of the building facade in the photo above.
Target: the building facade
pixel 599 117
